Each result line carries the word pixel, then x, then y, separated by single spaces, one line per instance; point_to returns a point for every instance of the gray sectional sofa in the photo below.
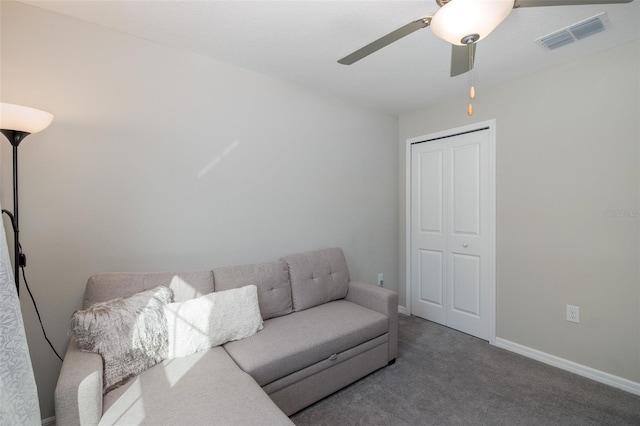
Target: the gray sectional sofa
pixel 321 332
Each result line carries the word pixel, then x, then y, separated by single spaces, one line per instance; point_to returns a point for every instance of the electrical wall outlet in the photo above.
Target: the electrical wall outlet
pixel 380 280
pixel 573 313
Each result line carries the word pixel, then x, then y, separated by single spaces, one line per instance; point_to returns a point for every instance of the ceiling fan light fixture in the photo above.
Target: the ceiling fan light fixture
pixel 460 18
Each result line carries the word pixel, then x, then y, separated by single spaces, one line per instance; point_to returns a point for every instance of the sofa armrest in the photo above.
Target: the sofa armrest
pixel 380 300
pixel 78 394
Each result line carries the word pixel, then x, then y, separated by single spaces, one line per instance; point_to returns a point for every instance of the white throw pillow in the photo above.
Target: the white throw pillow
pixel 212 320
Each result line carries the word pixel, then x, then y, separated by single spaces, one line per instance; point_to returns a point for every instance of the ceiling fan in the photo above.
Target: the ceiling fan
pixel 463 23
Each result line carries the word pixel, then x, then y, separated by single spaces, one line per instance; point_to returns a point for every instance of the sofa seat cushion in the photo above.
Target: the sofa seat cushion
pixel 203 388
pixel 290 343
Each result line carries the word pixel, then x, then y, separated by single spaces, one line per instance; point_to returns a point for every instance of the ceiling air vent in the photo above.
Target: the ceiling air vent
pixel 575 32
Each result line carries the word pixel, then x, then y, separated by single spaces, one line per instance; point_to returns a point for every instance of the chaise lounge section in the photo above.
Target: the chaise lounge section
pixel 321 332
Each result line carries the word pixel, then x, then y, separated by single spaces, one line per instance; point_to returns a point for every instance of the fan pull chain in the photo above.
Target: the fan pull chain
pixel 472 90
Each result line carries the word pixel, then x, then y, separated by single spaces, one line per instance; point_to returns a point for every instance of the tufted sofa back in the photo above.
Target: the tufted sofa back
pixel 296 282
pixel 272 280
pixel 317 277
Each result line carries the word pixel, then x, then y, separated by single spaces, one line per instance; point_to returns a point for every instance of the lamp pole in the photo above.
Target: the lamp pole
pixel 16 123
pixel 15 137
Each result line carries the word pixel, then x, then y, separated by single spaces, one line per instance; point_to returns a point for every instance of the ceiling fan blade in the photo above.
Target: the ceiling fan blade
pixel 460 58
pixel 536 3
pixel 385 40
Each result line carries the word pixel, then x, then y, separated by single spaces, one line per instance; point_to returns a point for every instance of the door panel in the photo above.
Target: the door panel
pixel 431 192
pixel 428 256
pixel 450 232
pixel 465 284
pixel 431 283
pixel 465 190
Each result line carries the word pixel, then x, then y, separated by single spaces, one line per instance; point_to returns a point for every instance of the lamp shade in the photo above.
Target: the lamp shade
pixel 460 18
pixel 23 119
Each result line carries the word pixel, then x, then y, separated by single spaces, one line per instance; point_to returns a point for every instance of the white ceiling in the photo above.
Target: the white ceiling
pixel 300 41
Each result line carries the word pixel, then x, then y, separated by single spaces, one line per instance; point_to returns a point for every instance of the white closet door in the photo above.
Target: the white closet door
pixel 450 232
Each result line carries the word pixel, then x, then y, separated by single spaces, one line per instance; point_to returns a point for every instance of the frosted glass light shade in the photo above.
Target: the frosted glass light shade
pixel 23 119
pixel 460 18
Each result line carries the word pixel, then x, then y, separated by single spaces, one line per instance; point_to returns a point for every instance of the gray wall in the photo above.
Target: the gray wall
pixel 161 160
pixel 567 153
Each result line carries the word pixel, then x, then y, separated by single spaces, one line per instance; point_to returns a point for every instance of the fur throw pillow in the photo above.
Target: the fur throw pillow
pixel 212 320
pixel 130 334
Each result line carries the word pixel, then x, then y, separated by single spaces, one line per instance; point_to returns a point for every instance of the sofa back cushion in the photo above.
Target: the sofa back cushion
pixel 317 277
pixel 272 280
pixel 103 287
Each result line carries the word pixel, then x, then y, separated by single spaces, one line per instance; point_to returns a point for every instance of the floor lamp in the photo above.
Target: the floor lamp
pixel 16 123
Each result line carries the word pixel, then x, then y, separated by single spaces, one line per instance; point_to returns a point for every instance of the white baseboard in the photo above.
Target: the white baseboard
pixel 402 310
pixel 50 421
pixel 573 367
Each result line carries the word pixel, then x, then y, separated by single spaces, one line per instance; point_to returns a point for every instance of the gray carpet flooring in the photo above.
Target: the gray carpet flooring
pixel 444 377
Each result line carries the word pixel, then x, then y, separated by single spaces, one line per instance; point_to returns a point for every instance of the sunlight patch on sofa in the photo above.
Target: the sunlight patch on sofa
pixel 179 370
pixel 133 409
pixel 212 320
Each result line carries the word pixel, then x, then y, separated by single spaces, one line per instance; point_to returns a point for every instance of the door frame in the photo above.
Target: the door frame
pixel 491 125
